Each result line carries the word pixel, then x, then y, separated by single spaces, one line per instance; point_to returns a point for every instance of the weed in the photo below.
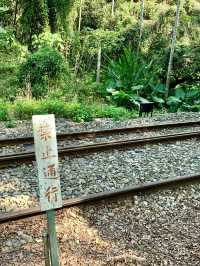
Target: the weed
pixel 11 123
pixel 3 112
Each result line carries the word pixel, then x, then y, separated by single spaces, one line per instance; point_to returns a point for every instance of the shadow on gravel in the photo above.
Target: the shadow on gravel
pixel 160 228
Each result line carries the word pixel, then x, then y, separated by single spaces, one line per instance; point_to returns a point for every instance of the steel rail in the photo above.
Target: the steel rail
pixel 141 188
pixel 104 132
pixel 85 149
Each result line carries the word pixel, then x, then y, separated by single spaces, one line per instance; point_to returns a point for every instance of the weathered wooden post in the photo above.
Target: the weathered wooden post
pixel 98 65
pixel 49 181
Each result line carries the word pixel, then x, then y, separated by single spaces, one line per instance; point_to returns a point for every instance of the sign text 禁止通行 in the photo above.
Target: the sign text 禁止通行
pixel 47 161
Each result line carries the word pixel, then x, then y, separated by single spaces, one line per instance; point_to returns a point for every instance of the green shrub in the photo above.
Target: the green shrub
pixel 9 44
pixel 190 108
pixel 40 69
pixel 186 66
pixel 4 112
pixel 76 111
pixel 12 54
pixel 49 39
pixel 185 97
pixel 25 109
pixel 8 86
pixel 130 77
pixel 11 123
pixel 130 70
pixel 56 107
pixel 82 114
pixel 110 111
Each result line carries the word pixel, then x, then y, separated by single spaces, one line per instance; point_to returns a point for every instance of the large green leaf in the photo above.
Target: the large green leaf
pixel 158 100
pixel 137 88
pixel 172 100
pixel 179 93
pixel 131 71
pixel 192 93
pixel 4 9
pixel 159 88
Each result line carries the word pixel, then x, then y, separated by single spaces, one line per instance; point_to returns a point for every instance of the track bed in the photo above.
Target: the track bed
pixel 152 228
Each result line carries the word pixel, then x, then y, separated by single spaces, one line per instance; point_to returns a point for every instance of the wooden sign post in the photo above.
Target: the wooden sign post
pixel 49 181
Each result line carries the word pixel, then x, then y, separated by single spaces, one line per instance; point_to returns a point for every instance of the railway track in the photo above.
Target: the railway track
pixel 90 229
pixel 141 188
pixel 84 149
pixel 102 133
pixel 106 212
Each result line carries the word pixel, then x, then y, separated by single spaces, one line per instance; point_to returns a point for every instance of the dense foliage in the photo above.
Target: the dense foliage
pixel 40 69
pixel 54 49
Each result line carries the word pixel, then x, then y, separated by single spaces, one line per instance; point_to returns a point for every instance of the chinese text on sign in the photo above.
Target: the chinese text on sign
pixel 47 161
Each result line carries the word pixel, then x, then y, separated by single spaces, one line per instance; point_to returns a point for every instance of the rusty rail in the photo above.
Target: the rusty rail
pixel 85 149
pixel 99 133
pixel 141 188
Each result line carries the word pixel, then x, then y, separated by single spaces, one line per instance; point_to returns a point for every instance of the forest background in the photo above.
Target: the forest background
pixel 83 59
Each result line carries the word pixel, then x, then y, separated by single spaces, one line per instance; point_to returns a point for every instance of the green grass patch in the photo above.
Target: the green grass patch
pixel 9 65
pixel 4 111
pixel 11 123
pixel 79 112
pixel 111 111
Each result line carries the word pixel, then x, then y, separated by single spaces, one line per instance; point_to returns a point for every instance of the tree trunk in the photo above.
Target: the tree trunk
pixel 141 24
pixel 98 65
pixel 52 14
pixel 173 45
pixel 80 16
pixel 77 64
pixel 15 13
pixel 113 8
pixel 28 91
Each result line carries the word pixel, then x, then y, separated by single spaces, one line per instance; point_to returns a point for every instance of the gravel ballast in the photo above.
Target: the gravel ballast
pixel 148 229
pixel 24 128
pixel 4 150
pixel 102 171
pixel 154 228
